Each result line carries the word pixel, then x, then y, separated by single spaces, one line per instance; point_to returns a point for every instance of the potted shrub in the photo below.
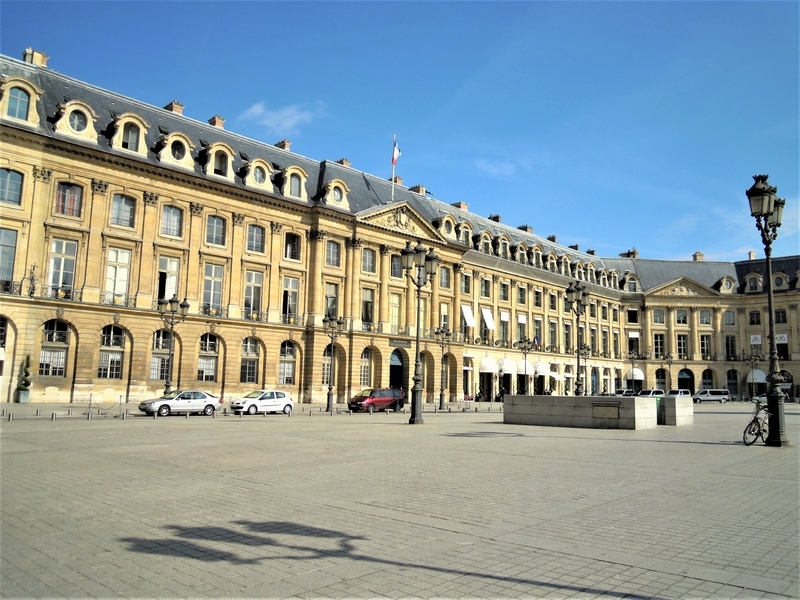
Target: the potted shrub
pixel 23 387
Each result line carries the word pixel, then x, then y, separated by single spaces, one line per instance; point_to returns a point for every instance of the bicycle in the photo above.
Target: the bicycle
pixel 758 425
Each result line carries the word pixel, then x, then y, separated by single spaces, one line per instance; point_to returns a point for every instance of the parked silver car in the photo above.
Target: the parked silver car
pixel 182 401
pixel 263 401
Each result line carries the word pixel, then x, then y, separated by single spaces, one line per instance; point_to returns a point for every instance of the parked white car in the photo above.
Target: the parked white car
pixel 182 401
pixel 680 392
pixel 263 401
pixel 721 396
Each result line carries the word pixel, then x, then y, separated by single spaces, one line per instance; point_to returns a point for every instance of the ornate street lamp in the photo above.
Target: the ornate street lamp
pixel 420 265
pixel 632 356
pixel 443 336
pixel 668 358
pixel 169 310
pixel 526 346
pixel 577 301
pixel 333 328
pixel 767 209
pixel 753 361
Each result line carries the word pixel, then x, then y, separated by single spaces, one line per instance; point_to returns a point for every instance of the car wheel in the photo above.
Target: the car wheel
pixel 371 408
pixel 251 410
pixel 208 410
pixel 287 410
pixel 163 410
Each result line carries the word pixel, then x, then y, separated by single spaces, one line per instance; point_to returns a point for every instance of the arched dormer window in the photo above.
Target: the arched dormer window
pixel 18 98
pixel 176 149
pixel 130 134
pixel 465 236
pixel 259 175
pixel 615 280
pixel 591 276
pixel 522 255
pixel 294 183
pixel 604 278
pixel 552 263
pixel 76 119
pixel 631 285
pixel 504 249
pixel 579 272
pixel 753 283
pixel 219 160
pixel 335 194
pixel 537 258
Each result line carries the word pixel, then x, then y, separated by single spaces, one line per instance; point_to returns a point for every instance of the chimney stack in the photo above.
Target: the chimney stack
pixel 284 144
pixel 174 107
pixel 751 255
pixel 344 162
pixel 217 121
pixel 574 246
pixel 495 218
pixel 552 238
pixel 460 205
pixel 34 57
pixel 525 228
pixel 697 256
pixel 590 252
pixel 397 179
pixel 420 189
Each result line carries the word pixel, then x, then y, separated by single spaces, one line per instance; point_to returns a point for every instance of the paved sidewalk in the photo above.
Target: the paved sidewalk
pixel 366 506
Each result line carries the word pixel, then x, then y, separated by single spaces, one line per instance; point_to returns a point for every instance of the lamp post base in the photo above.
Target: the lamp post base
pixel 777 427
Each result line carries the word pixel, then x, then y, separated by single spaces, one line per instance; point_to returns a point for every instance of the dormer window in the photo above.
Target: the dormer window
pixel 76 119
pixel 337 194
pixel 178 150
pixel 18 99
pixel 631 285
pixel 754 284
pixel 130 136
pixel 130 133
pixel 220 163
pixel 294 185
pixel 259 175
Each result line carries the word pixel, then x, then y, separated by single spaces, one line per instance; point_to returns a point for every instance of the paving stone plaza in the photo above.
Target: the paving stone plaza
pixel 367 506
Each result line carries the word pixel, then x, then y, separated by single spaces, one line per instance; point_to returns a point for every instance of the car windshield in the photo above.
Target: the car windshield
pixel 171 395
pixel 674 392
pixel 253 395
pixel 365 393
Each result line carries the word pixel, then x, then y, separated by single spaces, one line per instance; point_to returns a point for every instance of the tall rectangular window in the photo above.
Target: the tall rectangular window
pixel 367 305
pixel 504 292
pixel 537 332
pixel 171 221
pixel 537 298
pixel 444 315
pixel 552 334
pixel 397 266
pixel 486 288
pixel 117 271
pixel 253 281
pixel 728 318
pixel 123 210
pixel 8 251
pixel 605 342
pixel 658 316
pixel 255 238
pixel 705 317
pixel 212 286
pixel 10 187
pixel 110 365
pixel 167 277
pixel 333 253
pixel 292 247
pixel 395 301
pixel 444 278
pixel 368 260
pixel 683 346
pixel 332 300
pixel 522 331
pixel 616 344
pixel 730 347
pixel 215 230
pixel 62 267
pixel 522 295
pixel 568 338
pixel 69 198
pixel 780 316
pixel 291 292
pixel 658 345
pixel 705 346
pixel 466 284
pixel 503 330
pixel 207 368
pixel 52 362
pixel 552 302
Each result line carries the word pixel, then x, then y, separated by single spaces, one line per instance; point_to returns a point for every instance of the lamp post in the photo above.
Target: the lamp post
pixel 169 311
pixel 577 301
pixel 753 361
pixel 668 358
pixel 767 209
pixel 632 356
pixel 526 346
pixel 420 265
pixel 333 328
pixel 443 336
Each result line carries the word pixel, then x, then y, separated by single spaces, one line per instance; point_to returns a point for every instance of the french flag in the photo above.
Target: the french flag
pixel 395 152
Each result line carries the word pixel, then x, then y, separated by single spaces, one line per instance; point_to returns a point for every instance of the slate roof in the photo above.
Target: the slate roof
pixel 366 191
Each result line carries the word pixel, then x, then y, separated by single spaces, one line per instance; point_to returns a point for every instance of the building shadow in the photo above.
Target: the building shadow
pixel 288 541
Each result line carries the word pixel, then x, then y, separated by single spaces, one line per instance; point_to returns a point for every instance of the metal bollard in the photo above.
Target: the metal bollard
pixel 265 414
pixel 449 409
pixel 124 415
pixel 69 412
pixel 38 412
pixel 99 412
pixel 214 415
pixel 155 414
pixel 476 409
pixel 10 416
pixel 89 416
pixel 53 417
pixel 241 413
pixel 4 412
pixel 310 413
pixel 187 415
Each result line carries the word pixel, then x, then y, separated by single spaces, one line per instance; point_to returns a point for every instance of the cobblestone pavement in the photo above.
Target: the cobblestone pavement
pixel 367 506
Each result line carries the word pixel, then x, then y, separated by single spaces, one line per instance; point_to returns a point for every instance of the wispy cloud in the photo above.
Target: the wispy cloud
pixel 495 168
pixel 283 120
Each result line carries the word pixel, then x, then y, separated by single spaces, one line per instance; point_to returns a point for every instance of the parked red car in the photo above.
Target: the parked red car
pixel 377 399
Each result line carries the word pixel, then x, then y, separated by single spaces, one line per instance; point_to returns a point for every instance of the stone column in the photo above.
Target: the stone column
pixel 274 285
pixel 383 298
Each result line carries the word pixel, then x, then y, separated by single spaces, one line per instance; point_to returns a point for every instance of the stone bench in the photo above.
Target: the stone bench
pixel 591 412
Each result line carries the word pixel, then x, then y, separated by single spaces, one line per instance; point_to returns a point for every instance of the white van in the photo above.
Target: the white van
pixel 720 396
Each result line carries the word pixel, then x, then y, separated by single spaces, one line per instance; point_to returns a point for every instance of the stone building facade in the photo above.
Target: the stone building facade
pixel 110 205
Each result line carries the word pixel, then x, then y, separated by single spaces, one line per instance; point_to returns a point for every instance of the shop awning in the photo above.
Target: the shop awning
pixel 488 365
pixel 635 374
pixel 468 317
pixel 488 318
pixel 756 376
pixel 521 367
pixel 509 367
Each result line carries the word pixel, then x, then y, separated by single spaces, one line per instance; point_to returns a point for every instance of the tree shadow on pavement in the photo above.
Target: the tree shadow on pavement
pixel 287 541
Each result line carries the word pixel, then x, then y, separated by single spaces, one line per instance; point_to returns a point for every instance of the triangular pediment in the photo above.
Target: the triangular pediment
pixel 683 287
pixel 402 218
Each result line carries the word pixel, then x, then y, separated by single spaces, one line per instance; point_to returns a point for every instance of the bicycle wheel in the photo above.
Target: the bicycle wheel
pixel 751 433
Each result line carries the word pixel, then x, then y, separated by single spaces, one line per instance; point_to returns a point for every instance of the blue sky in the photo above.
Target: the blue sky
pixel 612 125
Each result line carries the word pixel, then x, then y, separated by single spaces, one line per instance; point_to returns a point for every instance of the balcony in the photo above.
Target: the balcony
pixel 371 327
pixel 112 341
pixel 213 311
pixel 11 287
pixel 400 330
pixel 55 337
pixel 116 299
pixel 249 314
pixel 61 293
pixel 290 319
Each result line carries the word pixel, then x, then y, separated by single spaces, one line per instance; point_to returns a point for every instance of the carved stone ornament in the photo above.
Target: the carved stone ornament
pixel 60 313
pixel 315 235
pixel 276 227
pixel 398 219
pixel 99 186
pixel 354 242
pixel 252 332
pixel 150 198
pixel 212 327
pixel 196 208
pixel 238 219
pixel 476 273
pixel 458 267
pixel 116 318
pixel 42 173
pixel 495 278
pixel 385 249
pixel 682 290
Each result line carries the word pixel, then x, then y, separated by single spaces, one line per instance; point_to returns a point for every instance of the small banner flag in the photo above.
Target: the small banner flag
pixel 395 151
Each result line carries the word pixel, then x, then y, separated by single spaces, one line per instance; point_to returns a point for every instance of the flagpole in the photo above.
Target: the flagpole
pixel 393 164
